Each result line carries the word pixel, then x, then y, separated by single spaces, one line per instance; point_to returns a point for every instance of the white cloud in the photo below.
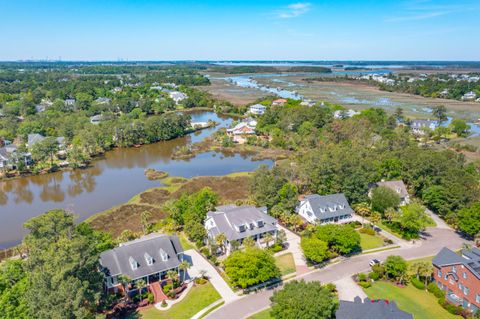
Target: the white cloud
pixel 427 9
pixel 294 10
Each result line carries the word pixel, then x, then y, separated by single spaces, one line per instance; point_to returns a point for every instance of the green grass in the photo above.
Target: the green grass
pixel 264 314
pixel 285 263
pixel 186 244
pixel 388 229
pixel 422 304
pixel 370 242
pixel 198 298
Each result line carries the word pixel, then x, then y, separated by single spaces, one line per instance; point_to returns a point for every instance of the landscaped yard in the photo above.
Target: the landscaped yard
pixel 265 314
pixel 370 242
pixel 285 263
pixel 198 298
pixel 422 304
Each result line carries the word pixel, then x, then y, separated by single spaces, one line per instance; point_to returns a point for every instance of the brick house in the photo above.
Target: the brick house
pixel 459 276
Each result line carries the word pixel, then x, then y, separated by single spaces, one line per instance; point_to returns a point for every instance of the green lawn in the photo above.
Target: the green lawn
pixel 285 263
pixel 265 314
pixel 422 304
pixel 198 298
pixel 370 242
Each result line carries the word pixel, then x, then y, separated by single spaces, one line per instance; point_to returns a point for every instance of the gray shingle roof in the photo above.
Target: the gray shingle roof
pixel 117 261
pixel 329 206
pixel 229 216
pixel 34 138
pixel 397 186
pixel 370 309
pixel 469 258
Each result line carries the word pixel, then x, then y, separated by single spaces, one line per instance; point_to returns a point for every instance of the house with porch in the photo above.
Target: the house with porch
pixel 325 209
pixel 242 131
pixel 397 186
pixel 279 102
pixel 419 127
pixel 240 222
pixel 459 276
pixel 148 258
pixel 257 109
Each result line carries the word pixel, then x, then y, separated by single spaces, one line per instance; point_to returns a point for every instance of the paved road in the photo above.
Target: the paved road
pixel 198 263
pixel 436 238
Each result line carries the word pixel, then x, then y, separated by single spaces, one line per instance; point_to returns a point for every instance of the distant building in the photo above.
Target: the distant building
pixel 240 222
pixel 178 96
pixel 149 258
pixel 32 139
pixel 103 100
pixel 308 103
pixel 444 93
pixel 370 309
pixel 257 109
pixel 420 126
pixel 241 131
pixel 279 102
pixel 459 276
pixel 324 209
pixel 343 114
pixel 470 96
pixel 69 102
pixel 398 187
pixel 96 119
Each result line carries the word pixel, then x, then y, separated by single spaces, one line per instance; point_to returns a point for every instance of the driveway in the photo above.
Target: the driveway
pixel 293 241
pixel 348 289
pixel 437 238
pixel 199 263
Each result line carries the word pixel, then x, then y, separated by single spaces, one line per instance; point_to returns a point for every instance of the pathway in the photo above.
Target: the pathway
pixel 293 241
pixel 348 289
pixel 199 263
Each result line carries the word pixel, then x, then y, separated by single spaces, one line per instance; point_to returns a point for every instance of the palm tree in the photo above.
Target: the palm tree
pixel 281 237
pixel 146 225
pixel 390 214
pixel 184 265
pixel 220 241
pixel 268 238
pixel 203 273
pixel 140 284
pixel 248 242
pixel 234 245
pixel 172 275
pixel 362 209
pixel 375 217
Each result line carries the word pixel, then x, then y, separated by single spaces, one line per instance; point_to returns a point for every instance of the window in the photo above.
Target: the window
pixel 464 275
pixel 466 291
pixel 163 255
pixel 454 269
pixel 133 263
pixel 260 223
pixel 440 274
pixel 477 298
pixel 148 259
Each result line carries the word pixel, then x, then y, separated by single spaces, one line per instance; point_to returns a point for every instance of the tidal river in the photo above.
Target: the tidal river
pixel 110 181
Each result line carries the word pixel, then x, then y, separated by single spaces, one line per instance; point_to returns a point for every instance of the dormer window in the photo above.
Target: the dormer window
pixel 240 228
pixel 163 255
pixel 341 206
pixel 260 223
pixel 133 263
pixel 252 225
pixel 148 259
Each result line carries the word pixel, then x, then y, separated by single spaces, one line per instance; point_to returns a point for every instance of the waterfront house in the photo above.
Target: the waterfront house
pixel 470 96
pixel 343 114
pixel 279 102
pixel 419 127
pixel 459 276
pixel 148 258
pixel 397 186
pixel 10 157
pixel 325 209
pixel 371 309
pixel 32 139
pixel 257 109
pixel 240 132
pixel 238 223
pixel 4 158
pixel 177 96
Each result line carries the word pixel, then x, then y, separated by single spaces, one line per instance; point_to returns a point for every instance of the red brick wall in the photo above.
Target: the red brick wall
pixel 471 282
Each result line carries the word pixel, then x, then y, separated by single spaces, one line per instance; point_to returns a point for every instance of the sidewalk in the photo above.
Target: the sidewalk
pixel 198 264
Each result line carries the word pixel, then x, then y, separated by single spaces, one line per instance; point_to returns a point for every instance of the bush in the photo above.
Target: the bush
pixel 435 290
pixel 368 231
pixel 374 276
pixel 275 248
pixel 171 294
pixel 163 304
pixel 379 269
pixel 365 284
pixel 151 298
pixel 200 281
pixel 167 288
pixel 454 310
pixel 417 283
pixel 362 277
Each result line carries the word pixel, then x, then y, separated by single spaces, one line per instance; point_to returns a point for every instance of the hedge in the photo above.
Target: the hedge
pixel 418 284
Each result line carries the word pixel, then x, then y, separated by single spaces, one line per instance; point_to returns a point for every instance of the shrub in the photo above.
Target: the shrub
pixel 379 269
pixel 417 283
pixel 365 284
pixel 454 310
pixel 368 231
pixel 171 294
pixel 200 281
pixel 163 304
pixel 434 289
pixel 151 298
pixel 374 276
pixel 167 288
pixel 275 248
pixel 362 277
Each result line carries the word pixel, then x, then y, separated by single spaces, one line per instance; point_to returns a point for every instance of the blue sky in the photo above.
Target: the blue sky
pixel 240 30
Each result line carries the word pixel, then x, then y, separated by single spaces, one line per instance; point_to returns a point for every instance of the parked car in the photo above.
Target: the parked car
pixel 374 262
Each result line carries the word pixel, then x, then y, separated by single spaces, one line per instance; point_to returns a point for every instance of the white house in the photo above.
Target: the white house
pixel 397 186
pixel 318 209
pixel 470 96
pixel 178 96
pixel 257 109
pixel 420 126
pixel 343 114
pixel 241 131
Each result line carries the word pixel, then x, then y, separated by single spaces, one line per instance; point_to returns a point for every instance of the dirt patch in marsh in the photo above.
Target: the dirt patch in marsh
pixel 156 197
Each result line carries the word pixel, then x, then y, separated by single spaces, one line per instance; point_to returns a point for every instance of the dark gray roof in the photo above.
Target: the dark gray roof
pixel 117 261
pixel 370 309
pixel 397 186
pixel 34 138
pixel 3 153
pixel 469 258
pixel 329 206
pixel 229 216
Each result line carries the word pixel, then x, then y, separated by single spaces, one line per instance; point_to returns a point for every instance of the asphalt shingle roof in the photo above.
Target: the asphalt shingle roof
pixel 370 309
pixel 117 260
pixel 322 205
pixel 469 258
pixel 397 186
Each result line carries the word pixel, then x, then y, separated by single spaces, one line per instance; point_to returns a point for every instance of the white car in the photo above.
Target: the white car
pixel 374 262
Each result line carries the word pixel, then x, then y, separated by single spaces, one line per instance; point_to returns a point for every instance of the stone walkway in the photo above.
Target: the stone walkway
pixel 199 263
